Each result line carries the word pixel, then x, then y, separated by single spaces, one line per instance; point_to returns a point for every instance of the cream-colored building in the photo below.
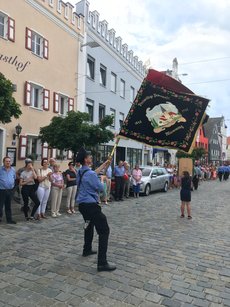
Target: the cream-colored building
pixel 39 46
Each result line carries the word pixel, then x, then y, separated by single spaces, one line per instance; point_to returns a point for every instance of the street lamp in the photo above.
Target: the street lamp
pixel 18 130
pixel 91 44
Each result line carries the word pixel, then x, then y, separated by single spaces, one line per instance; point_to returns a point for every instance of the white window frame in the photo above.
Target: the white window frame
pixel 90 102
pixel 102 107
pixel 40 89
pixel 51 3
pixel 132 94
pixel 90 72
pixel 5 23
pixel 113 84
pixel 122 88
pixel 59 6
pixel 121 118
pixel 103 69
pixel 113 112
pixel 63 104
pixel 34 42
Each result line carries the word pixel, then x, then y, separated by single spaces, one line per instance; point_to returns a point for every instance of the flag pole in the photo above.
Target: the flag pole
pixel 114 148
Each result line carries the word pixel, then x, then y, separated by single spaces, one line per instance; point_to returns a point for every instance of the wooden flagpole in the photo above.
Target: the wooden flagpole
pixel 114 148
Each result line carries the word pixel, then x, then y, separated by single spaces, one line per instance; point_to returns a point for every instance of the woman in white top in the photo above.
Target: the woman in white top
pixel 43 190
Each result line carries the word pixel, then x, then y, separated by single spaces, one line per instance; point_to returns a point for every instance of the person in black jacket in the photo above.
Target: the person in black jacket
pixel 185 194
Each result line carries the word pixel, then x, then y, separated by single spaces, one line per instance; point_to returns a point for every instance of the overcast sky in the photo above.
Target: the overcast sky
pixel 197 32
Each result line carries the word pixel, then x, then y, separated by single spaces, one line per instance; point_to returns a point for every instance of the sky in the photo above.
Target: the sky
pixel 196 32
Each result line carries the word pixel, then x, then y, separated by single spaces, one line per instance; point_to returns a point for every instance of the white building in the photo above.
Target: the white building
pixel 109 77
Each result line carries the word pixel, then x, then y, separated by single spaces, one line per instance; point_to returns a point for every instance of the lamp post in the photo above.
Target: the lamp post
pixel 18 130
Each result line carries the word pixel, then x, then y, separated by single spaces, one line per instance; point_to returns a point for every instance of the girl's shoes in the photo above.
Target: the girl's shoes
pixel 189 217
pixel 69 211
pixel 182 215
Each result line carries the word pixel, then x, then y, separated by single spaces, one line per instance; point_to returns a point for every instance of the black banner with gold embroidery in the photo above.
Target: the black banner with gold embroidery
pixel 164 116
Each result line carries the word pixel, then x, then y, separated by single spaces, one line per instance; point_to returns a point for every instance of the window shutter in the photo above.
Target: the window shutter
pixel 45 151
pixel 28 39
pixel 11 29
pixel 46 99
pixel 45 48
pixel 27 100
pixel 56 103
pixel 70 104
pixel 22 147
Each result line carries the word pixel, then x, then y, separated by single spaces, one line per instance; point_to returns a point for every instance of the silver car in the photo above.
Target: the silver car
pixel 154 178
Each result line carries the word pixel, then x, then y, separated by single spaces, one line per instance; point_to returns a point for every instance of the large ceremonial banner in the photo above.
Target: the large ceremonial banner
pixel 164 113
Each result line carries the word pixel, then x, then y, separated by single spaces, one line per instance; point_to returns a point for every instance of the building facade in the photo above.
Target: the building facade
pixel 40 42
pixel 201 139
pixel 109 80
pixel 211 130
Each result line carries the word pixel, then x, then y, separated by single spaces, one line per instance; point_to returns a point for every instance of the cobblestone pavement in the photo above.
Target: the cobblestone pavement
pixel 161 259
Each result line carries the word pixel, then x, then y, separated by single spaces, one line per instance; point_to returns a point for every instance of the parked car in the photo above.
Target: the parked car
pixel 154 178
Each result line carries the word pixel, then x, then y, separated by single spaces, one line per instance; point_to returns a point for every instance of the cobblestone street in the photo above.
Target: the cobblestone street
pixel 161 259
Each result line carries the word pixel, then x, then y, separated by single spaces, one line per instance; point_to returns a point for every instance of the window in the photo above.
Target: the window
pixel 63 105
pixel 121 119
pixel 132 94
pixel 33 148
pixel 90 67
pixel 113 82
pixel 59 6
pixel 51 2
pixel 102 75
pixel 90 108
pixel 122 88
pixel 113 113
pixel 101 113
pixel 36 96
pixel 2 25
pixel 7 27
pixel 37 44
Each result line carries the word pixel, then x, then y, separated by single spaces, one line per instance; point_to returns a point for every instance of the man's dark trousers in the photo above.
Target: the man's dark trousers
pixel 119 187
pixel 92 214
pixel 5 199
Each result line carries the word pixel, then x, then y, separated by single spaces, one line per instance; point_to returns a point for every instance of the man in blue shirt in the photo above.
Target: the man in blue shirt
pixel 7 181
pixel 119 172
pixel 220 172
pixel 89 186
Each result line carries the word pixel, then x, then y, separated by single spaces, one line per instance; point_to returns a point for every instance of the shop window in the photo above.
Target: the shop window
pixel 33 148
pixel 102 75
pixel 90 108
pixel 37 44
pixel 90 67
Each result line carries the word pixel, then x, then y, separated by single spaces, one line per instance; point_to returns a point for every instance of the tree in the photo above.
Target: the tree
pixel 197 154
pixel 74 131
pixel 8 106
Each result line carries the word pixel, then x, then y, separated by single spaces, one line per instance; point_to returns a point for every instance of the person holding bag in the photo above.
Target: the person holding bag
pixel 137 175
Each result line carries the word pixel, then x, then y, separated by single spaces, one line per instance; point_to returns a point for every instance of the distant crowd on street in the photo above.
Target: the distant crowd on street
pixel 37 188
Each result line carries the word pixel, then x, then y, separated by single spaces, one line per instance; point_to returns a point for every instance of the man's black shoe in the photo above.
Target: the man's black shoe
pixel 89 253
pixel 106 267
pixel 11 222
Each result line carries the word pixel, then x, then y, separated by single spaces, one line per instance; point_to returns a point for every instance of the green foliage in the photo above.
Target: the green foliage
pixel 196 154
pixel 8 106
pixel 74 131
